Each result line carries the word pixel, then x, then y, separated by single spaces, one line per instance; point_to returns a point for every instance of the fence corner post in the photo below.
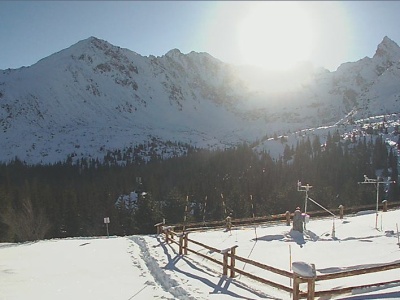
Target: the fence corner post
pixel 304 273
pixel 311 288
pixel 296 287
pixel 233 259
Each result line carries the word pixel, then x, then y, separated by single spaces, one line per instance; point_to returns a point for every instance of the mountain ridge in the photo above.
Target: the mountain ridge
pixel 93 97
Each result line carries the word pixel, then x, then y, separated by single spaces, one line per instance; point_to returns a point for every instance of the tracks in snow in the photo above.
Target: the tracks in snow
pixel 164 280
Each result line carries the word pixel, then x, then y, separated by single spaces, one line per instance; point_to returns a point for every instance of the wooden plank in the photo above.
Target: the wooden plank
pixel 204 245
pixel 351 288
pixel 366 270
pixel 265 281
pixel 168 228
pixel 175 242
pixel 264 267
pixel 206 257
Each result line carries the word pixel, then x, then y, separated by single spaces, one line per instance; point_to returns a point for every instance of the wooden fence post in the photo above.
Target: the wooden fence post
pixel 225 264
pixel 185 243
pixel 296 287
pixel 160 227
pixel 311 288
pixel 287 215
pixel 181 244
pixel 169 234
pixel 166 233
pixel 232 267
pixel 228 223
pixel 341 211
pixel 303 272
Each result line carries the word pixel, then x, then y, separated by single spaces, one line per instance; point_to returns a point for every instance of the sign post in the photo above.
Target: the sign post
pixel 107 221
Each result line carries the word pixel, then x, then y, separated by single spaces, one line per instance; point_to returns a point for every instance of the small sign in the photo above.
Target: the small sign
pixel 107 220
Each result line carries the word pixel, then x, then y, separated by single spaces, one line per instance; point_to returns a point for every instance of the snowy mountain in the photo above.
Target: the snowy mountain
pixel 95 97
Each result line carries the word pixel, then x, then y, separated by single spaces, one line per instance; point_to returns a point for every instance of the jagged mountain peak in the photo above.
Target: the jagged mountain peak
pixel 91 50
pixel 173 53
pixel 388 49
pixel 368 69
pixel 202 58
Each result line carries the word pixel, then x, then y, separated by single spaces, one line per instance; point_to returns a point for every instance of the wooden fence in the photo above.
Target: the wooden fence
pixel 229 258
pixel 192 226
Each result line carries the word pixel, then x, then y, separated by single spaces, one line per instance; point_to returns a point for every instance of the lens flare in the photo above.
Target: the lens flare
pixel 276 35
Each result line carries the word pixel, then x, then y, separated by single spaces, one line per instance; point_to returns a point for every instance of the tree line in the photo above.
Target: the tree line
pixel 71 199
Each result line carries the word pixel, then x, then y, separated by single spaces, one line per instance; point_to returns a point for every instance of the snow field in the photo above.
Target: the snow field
pixel 145 267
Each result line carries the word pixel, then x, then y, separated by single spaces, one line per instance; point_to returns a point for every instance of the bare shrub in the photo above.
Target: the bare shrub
pixel 27 223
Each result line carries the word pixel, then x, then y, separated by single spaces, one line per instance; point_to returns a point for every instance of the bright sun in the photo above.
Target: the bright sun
pixel 276 35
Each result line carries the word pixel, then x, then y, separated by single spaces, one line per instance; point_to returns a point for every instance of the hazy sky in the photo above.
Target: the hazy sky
pixel 270 34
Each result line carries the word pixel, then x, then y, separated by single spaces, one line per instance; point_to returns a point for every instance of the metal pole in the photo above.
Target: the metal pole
pixel 204 212
pixel 305 201
pixel 304 188
pixel 377 204
pixel 376 181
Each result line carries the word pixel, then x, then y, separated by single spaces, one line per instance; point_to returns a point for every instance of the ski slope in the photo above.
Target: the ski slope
pixel 145 267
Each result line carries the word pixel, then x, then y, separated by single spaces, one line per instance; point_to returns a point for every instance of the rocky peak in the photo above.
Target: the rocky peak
pixel 173 53
pixel 388 50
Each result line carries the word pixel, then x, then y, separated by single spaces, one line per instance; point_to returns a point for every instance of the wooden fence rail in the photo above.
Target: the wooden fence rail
pixel 265 281
pixel 365 270
pixel 265 267
pixel 345 274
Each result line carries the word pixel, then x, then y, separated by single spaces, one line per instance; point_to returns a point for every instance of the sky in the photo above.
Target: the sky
pixel 272 35
pixel 145 267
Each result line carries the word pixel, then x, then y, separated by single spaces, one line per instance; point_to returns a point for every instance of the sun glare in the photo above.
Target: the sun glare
pixel 275 35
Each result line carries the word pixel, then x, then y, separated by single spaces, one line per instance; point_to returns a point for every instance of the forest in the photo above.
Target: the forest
pixel 72 199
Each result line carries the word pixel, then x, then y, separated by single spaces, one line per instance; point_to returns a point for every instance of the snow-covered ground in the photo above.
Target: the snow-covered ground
pixel 145 267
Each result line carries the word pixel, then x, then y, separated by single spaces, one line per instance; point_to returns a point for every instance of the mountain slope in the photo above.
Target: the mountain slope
pixel 94 97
